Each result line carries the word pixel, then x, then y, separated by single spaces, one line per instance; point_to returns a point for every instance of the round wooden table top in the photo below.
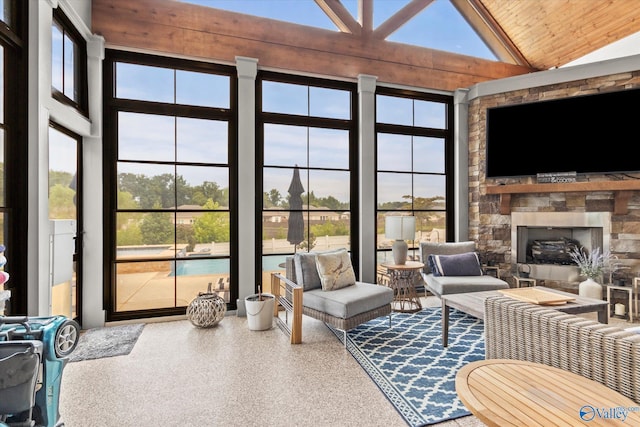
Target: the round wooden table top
pixel 504 392
pixel 409 265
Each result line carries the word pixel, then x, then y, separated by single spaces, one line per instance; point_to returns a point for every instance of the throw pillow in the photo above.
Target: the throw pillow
pixel 335 270
pixel 433 267
pixel 465 264
pixel 306 271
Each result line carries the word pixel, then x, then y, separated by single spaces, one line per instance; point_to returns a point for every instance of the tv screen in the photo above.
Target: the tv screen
pixel 584 134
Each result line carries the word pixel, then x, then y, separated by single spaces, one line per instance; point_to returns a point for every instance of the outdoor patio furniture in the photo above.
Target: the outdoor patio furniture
pixel 343 308
pixel 457 281
pixel 534 333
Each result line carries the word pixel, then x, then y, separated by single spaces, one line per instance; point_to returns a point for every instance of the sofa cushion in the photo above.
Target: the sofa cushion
pixel 350 301
pixel 335 270
pixel 466 264
pixel 445 285
pixel 447 248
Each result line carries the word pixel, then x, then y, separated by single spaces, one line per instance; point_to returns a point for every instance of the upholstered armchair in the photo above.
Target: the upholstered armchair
pixel 454 267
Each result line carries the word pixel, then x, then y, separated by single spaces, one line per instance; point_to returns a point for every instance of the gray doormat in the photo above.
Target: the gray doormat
pixel 109 341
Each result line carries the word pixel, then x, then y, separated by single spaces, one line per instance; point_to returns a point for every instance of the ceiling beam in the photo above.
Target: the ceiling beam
pixel 191 31
pixel 474 12
pixel 340 16
pixel 400 18
pixel 365 15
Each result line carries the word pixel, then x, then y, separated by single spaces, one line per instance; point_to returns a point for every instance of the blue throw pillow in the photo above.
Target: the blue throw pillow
pixel 431 262
pixel 466 264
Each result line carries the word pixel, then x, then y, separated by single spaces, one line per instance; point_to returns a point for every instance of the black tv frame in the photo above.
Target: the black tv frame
pixel 586 134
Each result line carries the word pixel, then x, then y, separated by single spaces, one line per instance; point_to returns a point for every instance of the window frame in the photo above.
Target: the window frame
pixel 113 106
pixel 15 208
pixel 80 65
pixel 351 125
pixel 419 131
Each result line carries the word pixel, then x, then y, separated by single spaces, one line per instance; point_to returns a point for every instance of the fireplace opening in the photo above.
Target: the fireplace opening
pixel 543 231
pixel 553 245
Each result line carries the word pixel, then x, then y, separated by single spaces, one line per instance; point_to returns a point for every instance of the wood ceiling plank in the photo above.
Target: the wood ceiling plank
pixel 553 33
pixel 490 31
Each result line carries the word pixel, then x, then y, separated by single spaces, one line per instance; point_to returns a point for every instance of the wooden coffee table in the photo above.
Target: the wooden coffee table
pixel 473 303
pixel 502 392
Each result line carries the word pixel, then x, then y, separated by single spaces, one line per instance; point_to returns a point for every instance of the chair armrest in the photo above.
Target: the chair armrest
pixel 288 296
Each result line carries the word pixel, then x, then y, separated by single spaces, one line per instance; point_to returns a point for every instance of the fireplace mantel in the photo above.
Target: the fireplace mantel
pixel 622 190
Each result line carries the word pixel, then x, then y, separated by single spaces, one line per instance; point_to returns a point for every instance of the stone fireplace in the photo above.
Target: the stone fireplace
pixel 587 229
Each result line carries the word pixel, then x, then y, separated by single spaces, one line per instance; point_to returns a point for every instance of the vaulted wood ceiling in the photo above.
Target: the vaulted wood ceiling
pixel 540 34
pixel 551 33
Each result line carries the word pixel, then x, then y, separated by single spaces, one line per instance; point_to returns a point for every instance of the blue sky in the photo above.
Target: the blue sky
pixel 439 26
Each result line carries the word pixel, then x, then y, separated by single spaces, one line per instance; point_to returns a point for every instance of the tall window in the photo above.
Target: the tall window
pixel 414 156
pixel 309 136
pixel 171 142
pixel 68 63
pixel 13 150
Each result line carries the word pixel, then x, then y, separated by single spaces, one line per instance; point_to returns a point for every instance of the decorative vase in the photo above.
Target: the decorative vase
pixel 590 289
pixel 207 309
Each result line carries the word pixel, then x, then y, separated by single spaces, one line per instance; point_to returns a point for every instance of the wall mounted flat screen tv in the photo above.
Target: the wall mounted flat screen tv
pixel 588 134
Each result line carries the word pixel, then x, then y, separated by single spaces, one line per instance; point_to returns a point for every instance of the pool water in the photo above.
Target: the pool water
pixel 199 267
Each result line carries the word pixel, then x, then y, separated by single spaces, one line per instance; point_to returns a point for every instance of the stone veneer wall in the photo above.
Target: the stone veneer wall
pixel 492 230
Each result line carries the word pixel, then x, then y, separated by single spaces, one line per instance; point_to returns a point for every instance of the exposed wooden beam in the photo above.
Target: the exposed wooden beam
pixel 474 12
pixel 340 16
pixel 400 18
pixel 186 30
pixel 365 15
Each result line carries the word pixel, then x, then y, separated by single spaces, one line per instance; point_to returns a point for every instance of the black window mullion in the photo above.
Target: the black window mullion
pixel 175 111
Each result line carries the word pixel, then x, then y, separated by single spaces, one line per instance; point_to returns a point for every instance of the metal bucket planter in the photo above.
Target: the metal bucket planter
pixel 260 311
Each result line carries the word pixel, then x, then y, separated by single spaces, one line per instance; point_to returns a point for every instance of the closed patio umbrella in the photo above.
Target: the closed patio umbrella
pixel 295 232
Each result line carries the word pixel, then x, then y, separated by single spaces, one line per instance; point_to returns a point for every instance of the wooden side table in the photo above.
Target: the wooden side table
pixel 401 280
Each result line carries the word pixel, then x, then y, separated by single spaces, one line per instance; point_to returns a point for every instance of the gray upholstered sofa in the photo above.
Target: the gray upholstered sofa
pixel 454 284
pixel 600 352
pixel 343 308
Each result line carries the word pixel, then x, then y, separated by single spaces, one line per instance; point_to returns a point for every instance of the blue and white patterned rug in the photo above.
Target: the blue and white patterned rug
pixel 410 366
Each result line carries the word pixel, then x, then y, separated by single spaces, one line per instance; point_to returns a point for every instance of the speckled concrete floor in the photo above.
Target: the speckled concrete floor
pixel 178 375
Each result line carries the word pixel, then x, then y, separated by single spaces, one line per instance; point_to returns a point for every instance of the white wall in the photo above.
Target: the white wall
pixel 628 46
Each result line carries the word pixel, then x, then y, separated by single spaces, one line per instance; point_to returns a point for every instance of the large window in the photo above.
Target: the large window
pixel 68 63
pixel 171 144
pixel 13 150
pixel 414 157
pixel 308 132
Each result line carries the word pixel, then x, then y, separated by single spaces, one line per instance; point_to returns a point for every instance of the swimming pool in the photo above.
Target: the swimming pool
pixel 197 267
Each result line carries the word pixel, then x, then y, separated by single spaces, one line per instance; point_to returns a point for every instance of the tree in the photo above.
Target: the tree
pixel 274 197
pixel 330 228
pixel 129 236
pixel 61 202
pixel 186 234
pixel 308 243
pixel 157 228
pixel 212 226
